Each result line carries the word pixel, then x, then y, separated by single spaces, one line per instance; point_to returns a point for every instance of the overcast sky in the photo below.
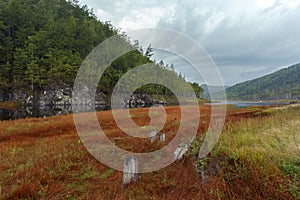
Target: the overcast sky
pixel 246 39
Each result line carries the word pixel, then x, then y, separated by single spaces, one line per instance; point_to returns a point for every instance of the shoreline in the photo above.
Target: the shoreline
pixel 10 110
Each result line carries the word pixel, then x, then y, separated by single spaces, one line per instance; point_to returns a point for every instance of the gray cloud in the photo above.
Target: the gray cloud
pixel 245 39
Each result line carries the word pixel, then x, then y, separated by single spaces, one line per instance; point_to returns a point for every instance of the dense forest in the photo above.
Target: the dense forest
pixel 43 43
pixel 283 84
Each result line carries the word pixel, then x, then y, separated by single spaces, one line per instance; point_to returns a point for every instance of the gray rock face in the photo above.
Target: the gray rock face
pixel 18 95
pixel 141 100
pixel 138 100
pixel 54 98
pixel 61 98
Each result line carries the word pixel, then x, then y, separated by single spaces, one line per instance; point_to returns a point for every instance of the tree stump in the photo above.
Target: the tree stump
pixel 161 137
pixel 130 172
pixel 152 136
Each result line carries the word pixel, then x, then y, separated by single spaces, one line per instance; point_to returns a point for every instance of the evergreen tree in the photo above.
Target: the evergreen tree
pixel 43 43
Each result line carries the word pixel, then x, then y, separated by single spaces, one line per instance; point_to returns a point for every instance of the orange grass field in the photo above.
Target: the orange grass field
pixel 43 158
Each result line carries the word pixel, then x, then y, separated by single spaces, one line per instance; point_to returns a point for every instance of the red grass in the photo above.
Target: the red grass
pixel 43 159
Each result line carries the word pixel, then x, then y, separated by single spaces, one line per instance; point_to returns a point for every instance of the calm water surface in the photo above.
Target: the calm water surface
pixel 245 104
pixel 50 111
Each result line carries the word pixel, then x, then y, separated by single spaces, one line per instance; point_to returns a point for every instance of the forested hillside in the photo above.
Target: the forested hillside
pixel 43 44
pixel 283 84
pixel 208 90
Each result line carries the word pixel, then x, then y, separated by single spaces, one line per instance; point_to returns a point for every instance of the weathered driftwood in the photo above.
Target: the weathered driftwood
pixel 130 172
pixel 179 152
pixel 161 137
pixel 152 136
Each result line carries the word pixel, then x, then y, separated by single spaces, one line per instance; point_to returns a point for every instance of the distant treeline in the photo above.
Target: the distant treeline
pixel 283 84
pixel 43 44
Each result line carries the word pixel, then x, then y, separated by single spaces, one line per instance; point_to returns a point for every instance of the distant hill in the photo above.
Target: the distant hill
pixel 283 84
pixel 213 90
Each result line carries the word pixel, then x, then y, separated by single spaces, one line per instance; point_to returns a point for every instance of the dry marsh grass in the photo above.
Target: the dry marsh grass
pixel 257 158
